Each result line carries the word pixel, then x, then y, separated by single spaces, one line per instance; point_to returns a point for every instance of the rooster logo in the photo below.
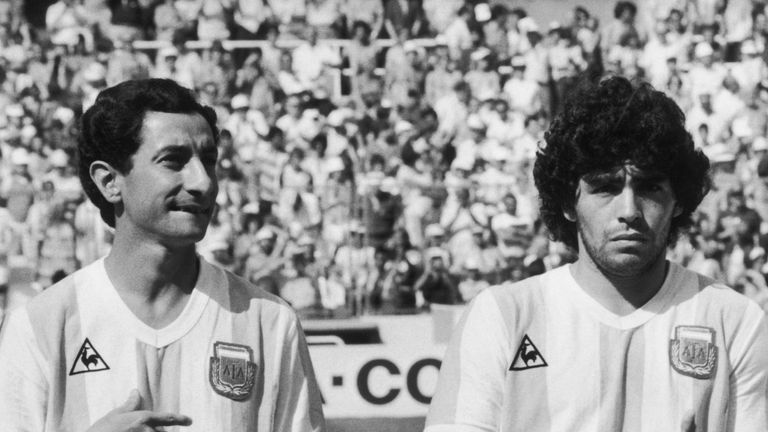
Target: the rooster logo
pixel 527 357
pixel 87 360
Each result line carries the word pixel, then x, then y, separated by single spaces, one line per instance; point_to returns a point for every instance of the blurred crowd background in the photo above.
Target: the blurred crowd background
pixel 376 155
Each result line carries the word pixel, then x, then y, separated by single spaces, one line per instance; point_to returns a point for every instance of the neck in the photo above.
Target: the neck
pixel 621 295
pixel 153 280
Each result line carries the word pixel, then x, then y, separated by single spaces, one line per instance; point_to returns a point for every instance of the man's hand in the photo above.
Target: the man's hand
pixel 128 418
pixel 689 424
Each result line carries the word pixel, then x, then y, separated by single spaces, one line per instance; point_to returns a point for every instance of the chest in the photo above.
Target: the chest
pixel 602 378
pixel 215 373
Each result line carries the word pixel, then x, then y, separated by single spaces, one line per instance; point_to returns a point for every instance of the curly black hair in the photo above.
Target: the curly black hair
pixel 606 124
pixel 111 128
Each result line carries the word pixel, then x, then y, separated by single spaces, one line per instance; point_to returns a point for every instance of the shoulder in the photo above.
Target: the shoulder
pixel 515 303
pixel 246 298
pixel 713 298
pixel 528 291
pixel 59 301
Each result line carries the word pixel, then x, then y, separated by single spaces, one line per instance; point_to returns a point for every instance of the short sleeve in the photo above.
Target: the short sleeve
pixel 470 389
pixel 22 378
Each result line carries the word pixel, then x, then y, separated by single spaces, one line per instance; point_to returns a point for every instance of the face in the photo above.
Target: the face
pixel 623 219
pixel 170 192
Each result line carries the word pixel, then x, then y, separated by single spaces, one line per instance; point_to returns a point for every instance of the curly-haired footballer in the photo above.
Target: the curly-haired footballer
pixel 152 337
pixel 622 339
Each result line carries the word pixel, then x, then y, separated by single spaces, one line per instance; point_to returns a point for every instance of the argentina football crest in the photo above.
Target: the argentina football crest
pixel 232 371
pixel 693 351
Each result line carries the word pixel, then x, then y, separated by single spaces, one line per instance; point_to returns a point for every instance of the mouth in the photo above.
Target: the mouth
pixel 191 209
pixel 633 237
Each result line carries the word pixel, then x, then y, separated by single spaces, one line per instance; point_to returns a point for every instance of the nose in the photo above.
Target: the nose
pixel 629 208
pixel 197 179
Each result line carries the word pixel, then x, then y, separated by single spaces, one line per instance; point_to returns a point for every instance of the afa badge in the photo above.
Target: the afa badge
pixel 232 370
pixel 693 351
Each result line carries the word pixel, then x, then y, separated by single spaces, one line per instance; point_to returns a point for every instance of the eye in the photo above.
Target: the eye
pixel 604 188
pixel 173 161
pixel 652 187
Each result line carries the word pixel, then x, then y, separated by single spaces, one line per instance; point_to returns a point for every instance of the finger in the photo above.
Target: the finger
pixel 156 419
pixel 689 424
pixel 130 404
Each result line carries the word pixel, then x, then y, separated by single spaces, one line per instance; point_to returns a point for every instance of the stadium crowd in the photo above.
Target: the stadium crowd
pixel 376 155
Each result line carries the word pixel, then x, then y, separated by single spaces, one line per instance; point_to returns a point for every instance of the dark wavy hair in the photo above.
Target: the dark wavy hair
pixel 607 124
pixel 111 128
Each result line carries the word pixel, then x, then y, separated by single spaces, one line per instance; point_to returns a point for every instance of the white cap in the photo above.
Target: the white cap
pixel 250 208
pixel 334 164
pixel 169 51
pixel 265 234
pixel 434 252
pixel 94 72
pixel 28 132
pixel 389 185
pixel 434 230
pixel 748 47
pixel 15 54
pixel 247 152
pixel 335 118
pixel 64 114
pixel 403 126
pixel 58 158
pixel 409 46
pixel 480 53
pixel 719 153
pixel 760 144
pixel 305 240
pixel 703 49
pixel 527 25
pixel 518 62
pixel 14 110
pixel 19 156
pixel 482 12
pixel 239 101
pixel 463 163
pixel 475 122
pixel 741 128
pixel 355 226
pixel 472 263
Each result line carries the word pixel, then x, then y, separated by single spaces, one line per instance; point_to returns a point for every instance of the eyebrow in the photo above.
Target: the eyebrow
pixel 607 176
pixel 207 147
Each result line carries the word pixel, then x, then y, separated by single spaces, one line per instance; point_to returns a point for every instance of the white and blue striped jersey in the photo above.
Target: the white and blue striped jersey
pixel 542 355
pixel 234 360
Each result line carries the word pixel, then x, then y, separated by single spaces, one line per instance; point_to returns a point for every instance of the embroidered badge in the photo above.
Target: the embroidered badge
pixel 232 370
pixel 693 351
pixel 87 360
pixel 527 357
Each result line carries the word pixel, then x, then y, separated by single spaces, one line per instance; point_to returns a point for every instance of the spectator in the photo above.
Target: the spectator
pixel 457 35
pixel 484 82
pixel 213 20
pixel 67 22
pixel 402 69
pixel 623 25
pixel 167 20
pixel 416 20
pixel 441 80
pixel 471 285
pixel 436 285
pixel 127 21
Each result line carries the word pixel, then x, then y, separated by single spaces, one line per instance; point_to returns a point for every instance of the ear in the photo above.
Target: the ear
pixel 105 178
pixel 678 210
pixel 570 215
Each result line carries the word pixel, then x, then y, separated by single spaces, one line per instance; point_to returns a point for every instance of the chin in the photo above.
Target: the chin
pixel 627 265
